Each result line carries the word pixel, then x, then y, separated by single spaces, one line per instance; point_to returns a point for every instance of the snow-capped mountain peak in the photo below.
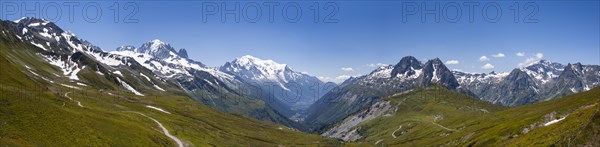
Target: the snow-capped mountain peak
pixel 465 78
pixel 156 45
pixel 249 60
pixel 157 42
pixel 157 49
pixel 31 20
pixel 259 71
pixel 268 68
pixel 382 72
pixel 544 70
pixel 250 67
pixel 161 58
pixel 407 67
pixel 408 72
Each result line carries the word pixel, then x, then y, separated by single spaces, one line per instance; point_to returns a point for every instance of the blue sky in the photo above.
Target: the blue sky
pixel 366 33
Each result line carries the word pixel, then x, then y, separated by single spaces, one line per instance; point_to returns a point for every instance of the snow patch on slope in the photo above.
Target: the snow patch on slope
pixel 554 121
pixel 128 87
pixel 155 86
pixel 118 73
pixel 69 68
pixel 108 60
pixel 38 45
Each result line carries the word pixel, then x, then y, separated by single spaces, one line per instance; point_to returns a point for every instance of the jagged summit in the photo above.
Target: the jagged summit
pixel 157 41
pixel 126 48
pixel 41 25
pixel 28 20
pixel 162 58
pixel 544 70
pixel 155 48
pixel 435 71
pixel 406 66
pixel 182 53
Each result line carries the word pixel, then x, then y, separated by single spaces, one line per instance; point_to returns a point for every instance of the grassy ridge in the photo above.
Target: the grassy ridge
pixel 508 127
pixel 465 121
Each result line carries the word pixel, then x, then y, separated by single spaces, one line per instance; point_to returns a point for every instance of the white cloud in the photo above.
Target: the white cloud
pixel 487 66
pixel 347 69
pixel 484 58
pixel 499 55
pixel 376 64
pixel 338 80
pixel 520 54
pixel 539 55
pixel 450 62
pixel 531 60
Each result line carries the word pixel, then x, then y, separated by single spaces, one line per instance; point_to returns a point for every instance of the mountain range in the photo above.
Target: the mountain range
pixel 120 91
pixel 537 82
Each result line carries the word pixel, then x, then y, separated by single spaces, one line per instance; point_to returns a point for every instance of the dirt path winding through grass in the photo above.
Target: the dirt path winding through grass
pixel 453 130
pixel 434 123
pixel 165 131
pixel 78 103
pixel 443 127
pixel 394 133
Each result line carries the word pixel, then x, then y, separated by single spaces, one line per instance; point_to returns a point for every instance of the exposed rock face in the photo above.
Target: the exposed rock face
pixel 182 53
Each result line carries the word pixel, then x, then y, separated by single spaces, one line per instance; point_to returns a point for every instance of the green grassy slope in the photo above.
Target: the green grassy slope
pixel 507 127
pixel 464 122
pixel 36 112
pixel 414 121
